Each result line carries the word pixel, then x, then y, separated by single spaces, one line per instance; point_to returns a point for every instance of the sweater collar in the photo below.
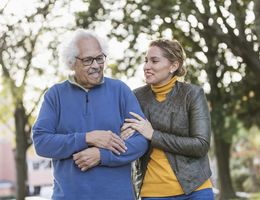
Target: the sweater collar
pixel 72 80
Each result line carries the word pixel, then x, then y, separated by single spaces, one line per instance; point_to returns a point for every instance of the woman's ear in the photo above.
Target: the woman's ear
pixel 175 65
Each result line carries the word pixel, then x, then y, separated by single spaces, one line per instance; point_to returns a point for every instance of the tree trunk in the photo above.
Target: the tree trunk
pixel 218 116
pixel 20 153
pixel 222 152
pixel 257 18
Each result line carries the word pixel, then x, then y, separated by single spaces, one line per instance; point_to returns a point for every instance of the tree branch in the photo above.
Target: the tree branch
pixel 251 57
pixel 29 57
pixel 6 72
pixel 2 9
pixel 36 103
pixel 33 41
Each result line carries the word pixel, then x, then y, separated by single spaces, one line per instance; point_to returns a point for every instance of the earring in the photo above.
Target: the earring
pixel 171 71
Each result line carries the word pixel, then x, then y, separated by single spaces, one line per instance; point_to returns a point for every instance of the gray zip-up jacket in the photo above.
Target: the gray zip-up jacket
pixel 182 130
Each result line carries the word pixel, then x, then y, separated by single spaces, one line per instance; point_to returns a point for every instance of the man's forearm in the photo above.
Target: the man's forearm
pixel 137 145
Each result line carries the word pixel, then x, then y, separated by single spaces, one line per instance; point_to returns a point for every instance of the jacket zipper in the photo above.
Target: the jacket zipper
pixel 174 156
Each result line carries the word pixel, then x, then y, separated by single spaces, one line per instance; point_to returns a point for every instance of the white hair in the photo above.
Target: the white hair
pixel 69 50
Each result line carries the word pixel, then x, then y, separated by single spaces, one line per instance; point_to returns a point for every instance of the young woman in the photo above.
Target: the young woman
pixel 177 126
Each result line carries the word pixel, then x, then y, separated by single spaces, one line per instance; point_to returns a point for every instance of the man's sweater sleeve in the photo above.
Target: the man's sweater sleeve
pixel 137 145
pixel 47 142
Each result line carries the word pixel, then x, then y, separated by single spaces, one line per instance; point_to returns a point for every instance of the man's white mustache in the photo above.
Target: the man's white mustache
pixel 91 71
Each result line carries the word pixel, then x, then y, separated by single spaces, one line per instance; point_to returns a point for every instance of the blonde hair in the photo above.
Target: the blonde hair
pixel 173 51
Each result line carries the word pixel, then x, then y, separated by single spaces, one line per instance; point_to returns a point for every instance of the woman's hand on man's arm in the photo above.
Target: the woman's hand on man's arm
pixel 143 126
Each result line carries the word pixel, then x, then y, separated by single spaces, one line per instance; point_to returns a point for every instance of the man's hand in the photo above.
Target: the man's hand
pixel 107 140
pixel 87 158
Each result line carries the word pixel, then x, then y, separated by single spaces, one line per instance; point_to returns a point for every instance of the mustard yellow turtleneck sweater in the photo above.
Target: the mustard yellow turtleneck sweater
pixel 160 180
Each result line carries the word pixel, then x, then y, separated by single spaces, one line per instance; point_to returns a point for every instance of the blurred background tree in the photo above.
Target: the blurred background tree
pixel 25 36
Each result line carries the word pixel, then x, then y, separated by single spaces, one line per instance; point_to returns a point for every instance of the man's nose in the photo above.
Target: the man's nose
pixel 95 64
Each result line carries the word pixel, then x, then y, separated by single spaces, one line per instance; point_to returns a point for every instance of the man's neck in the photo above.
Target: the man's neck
pixel 72 79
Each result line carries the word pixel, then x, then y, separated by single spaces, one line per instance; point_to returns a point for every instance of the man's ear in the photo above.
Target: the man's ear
pixel 73 66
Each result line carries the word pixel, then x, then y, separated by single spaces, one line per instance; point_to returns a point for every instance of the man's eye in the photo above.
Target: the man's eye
pixel 155 61
pixel 99 58
pixel 87 60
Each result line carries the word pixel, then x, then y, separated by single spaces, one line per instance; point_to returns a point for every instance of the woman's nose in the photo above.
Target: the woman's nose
pixel 147 65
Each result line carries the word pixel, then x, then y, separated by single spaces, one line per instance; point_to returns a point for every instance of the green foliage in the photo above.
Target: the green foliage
pixel 23 38
pixel 6 110
pixel 204 29
pixel 248 106
pixel 245 160
pixel 96 12
pixel 255 196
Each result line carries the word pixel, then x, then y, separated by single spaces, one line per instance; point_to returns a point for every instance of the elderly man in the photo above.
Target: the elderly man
pixel 79 123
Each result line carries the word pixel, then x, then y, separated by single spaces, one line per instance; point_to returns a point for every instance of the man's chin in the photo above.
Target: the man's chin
pixel 97 81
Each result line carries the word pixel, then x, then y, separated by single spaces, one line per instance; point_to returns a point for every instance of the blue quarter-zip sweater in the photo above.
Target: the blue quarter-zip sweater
pixel 68 112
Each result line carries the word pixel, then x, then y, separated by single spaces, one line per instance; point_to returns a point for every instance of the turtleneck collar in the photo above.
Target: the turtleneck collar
pixel 162 90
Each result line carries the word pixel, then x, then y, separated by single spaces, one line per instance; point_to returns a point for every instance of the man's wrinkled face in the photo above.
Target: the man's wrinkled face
pixel 88 71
